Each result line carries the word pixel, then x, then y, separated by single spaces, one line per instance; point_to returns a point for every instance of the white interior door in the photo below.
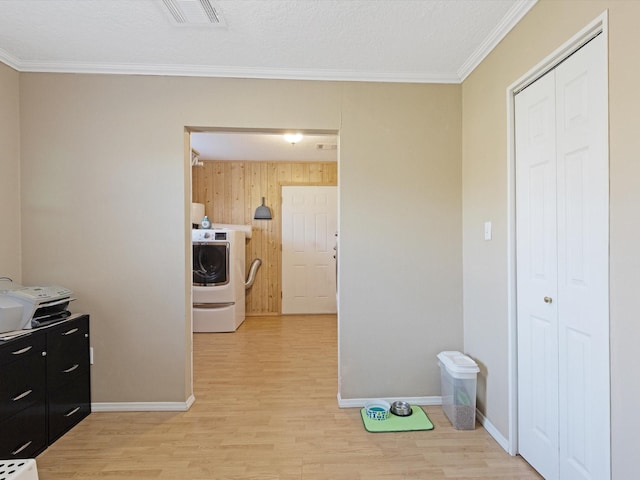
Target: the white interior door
pixel 309 227
pixel 562 198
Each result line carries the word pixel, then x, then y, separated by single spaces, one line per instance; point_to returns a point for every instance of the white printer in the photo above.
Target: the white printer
pixel 31 307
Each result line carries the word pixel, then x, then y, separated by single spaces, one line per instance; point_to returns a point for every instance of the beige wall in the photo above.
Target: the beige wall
pixel 105 194
pixel 9 174
pixel 400 244
pixel 484 177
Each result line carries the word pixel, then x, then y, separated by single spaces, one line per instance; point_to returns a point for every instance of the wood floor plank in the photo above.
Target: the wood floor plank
pixel 266 409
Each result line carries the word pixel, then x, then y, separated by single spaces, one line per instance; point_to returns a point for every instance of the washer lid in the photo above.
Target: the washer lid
pixel 457 362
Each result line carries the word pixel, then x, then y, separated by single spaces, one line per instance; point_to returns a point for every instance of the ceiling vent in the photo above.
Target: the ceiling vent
pixel 194 12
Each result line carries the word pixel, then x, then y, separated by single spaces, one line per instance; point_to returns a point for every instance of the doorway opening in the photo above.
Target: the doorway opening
pixel 236 168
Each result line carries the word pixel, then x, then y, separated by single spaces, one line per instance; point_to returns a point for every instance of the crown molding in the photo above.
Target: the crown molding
pixel 9 60
pixel 513 16
pixel 227 72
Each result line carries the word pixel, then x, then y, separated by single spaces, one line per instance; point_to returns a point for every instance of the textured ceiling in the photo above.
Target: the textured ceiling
pixel 376 40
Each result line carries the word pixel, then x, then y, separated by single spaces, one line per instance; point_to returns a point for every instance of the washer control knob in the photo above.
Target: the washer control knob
pixel 207 234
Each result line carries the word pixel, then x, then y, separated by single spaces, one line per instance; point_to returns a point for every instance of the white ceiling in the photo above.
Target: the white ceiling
pixel 377 40
pixel 261 146
pixel 423 41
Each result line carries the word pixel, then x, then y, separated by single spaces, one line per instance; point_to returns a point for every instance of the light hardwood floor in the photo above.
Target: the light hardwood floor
pixel 266 409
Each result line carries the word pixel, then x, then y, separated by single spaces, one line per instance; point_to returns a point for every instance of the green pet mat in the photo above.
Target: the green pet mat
pixel 418 420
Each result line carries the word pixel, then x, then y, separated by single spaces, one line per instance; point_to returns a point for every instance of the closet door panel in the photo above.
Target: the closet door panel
pixel 583 263
pixel 537 276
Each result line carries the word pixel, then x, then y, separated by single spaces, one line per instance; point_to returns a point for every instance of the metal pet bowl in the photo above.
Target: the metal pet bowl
pixel 401 409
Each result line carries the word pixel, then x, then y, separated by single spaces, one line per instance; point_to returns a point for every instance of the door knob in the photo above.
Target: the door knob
pixel 548 299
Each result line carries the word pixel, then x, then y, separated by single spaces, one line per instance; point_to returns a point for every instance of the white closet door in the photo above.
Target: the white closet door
pixel 563 307
pixel 583 263
pixel 309 225
pixel 537 276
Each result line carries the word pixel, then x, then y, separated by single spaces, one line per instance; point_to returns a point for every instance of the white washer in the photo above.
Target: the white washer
pixel 218 280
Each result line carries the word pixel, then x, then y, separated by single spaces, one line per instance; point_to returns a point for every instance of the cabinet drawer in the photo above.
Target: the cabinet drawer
pixel 67 406
pixel 67 352
pixel 67 370
pixel 27 435
pixel 15 350
pixel 22 383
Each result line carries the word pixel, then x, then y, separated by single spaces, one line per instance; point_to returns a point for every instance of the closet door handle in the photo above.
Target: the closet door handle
pixel 70 332
pixel 548 299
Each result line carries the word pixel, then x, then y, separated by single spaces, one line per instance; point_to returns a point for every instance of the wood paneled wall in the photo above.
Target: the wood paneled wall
pixel 232 190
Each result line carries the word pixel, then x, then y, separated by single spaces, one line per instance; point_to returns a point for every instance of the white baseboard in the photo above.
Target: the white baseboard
pixel 360 402
pixel 143 406
pixel 493 431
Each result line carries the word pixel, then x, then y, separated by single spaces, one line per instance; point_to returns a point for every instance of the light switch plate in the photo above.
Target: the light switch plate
pixel 487 230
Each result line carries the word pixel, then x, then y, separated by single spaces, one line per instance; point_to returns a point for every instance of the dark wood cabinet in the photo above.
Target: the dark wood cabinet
pixel 68 390
pixel 44 386
pixel 23 423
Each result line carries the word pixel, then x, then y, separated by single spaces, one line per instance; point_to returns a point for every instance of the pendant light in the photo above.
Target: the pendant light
pixel 262 212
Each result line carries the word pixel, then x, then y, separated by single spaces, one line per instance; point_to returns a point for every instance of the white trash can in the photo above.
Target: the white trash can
pixel 459 376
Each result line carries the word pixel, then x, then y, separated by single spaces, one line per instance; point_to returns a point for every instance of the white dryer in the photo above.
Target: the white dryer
pixel 218 280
